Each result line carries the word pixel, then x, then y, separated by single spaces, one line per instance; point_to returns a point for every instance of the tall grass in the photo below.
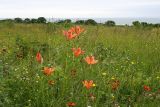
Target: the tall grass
pixel 125 54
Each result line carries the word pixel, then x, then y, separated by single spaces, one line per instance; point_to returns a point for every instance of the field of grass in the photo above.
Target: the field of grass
pixel 127 73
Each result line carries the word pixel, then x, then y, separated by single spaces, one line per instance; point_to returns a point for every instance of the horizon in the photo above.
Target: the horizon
pixel 117 20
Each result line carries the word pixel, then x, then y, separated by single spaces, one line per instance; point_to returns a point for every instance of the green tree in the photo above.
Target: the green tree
pixel 33 20
pixel 136 23
pixel 27 20
pixel 110 23
pixel 90 22
pixel 41 20
pixel 144 24
pixel 80 22
pixel 18 20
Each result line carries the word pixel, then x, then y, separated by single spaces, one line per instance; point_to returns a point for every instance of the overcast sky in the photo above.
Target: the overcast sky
pixel 79 8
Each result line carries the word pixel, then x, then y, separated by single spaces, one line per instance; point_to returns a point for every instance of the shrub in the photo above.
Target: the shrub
pixel 90 22
pixel 110 23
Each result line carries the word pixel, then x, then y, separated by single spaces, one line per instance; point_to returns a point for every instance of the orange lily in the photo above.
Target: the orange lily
pixel 146 88
pixel 78 30
pixel 73 32
pixel 39 58
pixel 69 34
pixel 90 60
pixel 71 104
pixel 48 70
pixel 77 51
pixel 88 84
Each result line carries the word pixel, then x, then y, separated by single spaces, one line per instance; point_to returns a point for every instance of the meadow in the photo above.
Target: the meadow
pixel 43 65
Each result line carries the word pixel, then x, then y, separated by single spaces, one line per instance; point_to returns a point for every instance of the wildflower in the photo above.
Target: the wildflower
pixel 115 84
pixel 104 74
pixel 90 60
pixel 132 63
pixel 113 78
pixel 146 88
pixel 73 32
pixel 39 58
pixel 51 82
pixel 69 34
pixel 77 30
pixel 113 97
pixel 77 51
pixel 48 71
pixel 88 84
pixel 94 85
pixel 71 104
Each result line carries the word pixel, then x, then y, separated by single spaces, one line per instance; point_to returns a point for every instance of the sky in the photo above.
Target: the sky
pixel 79 8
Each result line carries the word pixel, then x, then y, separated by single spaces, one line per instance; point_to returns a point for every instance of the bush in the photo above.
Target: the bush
pixel 27 20
pixel 80 22
pixel 90 22
pixel 110 23
pixel 136 23
pixel 41 20
pixel 18 20
pixel 34 21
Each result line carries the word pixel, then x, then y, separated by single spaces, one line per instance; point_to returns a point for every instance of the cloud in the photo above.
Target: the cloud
pixel 81 8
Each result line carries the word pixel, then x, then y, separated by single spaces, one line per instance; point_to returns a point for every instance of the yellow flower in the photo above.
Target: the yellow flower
pixel 132 62
pixel 158 77
pixel 113 78
pixel 104 74
pixel 94 85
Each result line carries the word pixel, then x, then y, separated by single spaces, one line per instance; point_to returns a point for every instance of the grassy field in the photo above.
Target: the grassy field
pixel 127 73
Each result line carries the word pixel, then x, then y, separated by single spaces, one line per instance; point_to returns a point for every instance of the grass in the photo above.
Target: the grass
pixel 128 59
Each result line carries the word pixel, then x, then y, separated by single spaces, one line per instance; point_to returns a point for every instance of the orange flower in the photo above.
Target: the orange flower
pixel 90 60
pixel 78 30
pixel 39 58
pixel 73 32
pixel 48 71
pixel 69 34
pixel 88 84
pixel 77 52
pixel 146 88
pixel 71 104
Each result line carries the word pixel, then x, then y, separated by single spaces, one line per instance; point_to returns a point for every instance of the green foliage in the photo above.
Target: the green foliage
pixel 110 23
pixel 124 54
pixel 18 20
pixel 90 22
pixel 34 21
pixel 80 22
pixel 27 20
pixel 41 20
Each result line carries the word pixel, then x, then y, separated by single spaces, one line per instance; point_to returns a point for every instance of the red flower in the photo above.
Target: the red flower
pixel 48 71
pixel 39 58
pixel 88 84
pixel 77 52
pixel 71 104
pixel 69 34
pixel 73 32
pixel 90 60
pixel 146 88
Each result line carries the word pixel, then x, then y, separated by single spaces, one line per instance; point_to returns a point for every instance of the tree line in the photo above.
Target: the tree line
pixel 109 23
